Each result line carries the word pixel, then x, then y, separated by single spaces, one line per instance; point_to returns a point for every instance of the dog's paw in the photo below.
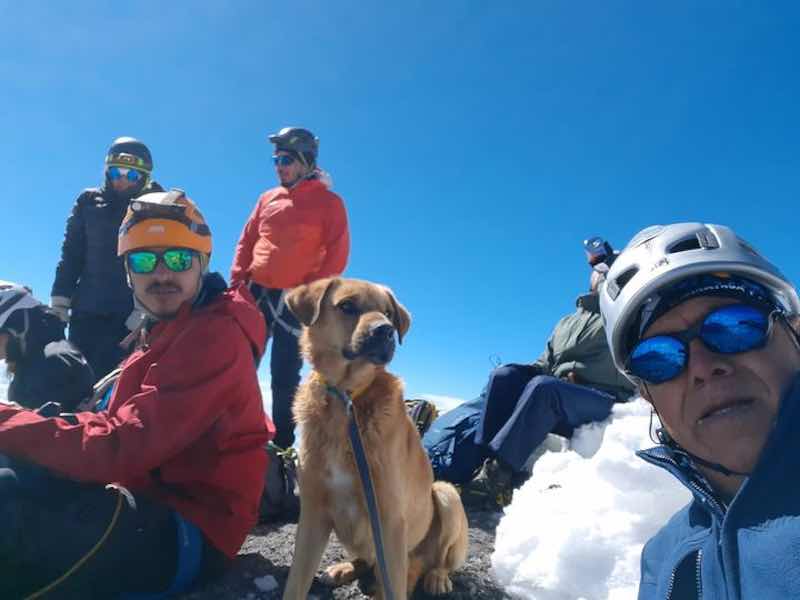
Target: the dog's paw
pixel 340 574
pixel 437 582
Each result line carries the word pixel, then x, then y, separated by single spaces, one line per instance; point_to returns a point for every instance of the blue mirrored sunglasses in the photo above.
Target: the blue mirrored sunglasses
pixel 283 160
pixel 176 259
pixel 730 329
pixel 132 175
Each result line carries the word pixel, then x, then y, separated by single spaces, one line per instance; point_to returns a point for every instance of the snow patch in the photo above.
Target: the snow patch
pixel 3 382
pixel 577 527
pixel 266 396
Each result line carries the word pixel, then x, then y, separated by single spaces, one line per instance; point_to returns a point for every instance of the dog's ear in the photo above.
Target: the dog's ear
pixel 305 300
pixel 401 318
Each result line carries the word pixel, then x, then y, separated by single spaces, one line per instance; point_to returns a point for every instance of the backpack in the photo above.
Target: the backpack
pixel 450 443
pixel 422 413
pixel 280 500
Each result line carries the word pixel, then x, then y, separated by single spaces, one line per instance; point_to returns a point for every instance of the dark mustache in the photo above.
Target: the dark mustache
pixel 166 287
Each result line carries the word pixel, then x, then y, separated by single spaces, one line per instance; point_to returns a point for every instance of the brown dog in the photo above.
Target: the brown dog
pixel 348 337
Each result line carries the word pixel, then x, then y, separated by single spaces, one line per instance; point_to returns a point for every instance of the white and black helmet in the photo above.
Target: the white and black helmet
pixel 14 297
pixel 662 255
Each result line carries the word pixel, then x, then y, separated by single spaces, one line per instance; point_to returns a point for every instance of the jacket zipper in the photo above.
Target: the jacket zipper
pixel 698 580
pixel 695 572
pixel 671 584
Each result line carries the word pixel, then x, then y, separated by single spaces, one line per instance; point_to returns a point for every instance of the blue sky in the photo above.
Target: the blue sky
pixel 475 144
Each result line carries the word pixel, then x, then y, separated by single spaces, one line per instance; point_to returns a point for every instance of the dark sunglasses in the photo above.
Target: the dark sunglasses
pixel 730 329
pixel 175 259
pixel 283 160
pixel 132 175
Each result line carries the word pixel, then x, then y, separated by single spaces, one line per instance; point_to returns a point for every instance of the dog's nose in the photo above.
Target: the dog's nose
pixel 378 346
pixel 381 331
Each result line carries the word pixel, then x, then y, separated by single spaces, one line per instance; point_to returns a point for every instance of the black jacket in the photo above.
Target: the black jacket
pixel 47 368
pixel 90 272
pixel 57 373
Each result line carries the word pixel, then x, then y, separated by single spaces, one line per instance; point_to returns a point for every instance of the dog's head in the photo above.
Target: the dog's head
pixel 348 321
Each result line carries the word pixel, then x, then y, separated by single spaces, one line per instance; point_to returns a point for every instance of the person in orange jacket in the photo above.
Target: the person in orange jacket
pixel 296 234
pixel 160 486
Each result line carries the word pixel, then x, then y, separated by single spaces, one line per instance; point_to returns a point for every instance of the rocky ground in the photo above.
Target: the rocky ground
pixel 262 567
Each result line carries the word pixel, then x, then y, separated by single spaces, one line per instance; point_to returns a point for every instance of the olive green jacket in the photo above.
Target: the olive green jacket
pixel 578 345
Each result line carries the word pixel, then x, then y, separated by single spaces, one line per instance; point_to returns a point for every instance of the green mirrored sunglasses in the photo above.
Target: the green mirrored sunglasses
pixel 146 261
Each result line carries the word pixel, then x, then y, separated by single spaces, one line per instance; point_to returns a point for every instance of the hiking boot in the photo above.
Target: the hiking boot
pixel 492 487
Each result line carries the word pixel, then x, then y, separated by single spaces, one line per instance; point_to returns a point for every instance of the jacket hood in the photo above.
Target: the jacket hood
pixel 238 303
pixel 317 178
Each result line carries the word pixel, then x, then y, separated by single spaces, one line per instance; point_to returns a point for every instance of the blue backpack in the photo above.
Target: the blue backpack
pixel 450 443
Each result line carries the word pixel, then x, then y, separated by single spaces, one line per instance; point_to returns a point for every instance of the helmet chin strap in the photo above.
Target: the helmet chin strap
pixel 666 439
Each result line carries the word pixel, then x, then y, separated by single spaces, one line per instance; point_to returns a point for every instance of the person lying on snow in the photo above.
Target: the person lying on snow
pixel 162 486
pixel 43 365
pixel 707 329
pixel 573 383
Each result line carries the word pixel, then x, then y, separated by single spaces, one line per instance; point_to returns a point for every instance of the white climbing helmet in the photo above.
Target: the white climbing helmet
pixel 661 255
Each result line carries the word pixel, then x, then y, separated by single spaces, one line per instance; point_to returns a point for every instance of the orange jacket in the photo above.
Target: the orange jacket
pixel 185 425
pixel 293 236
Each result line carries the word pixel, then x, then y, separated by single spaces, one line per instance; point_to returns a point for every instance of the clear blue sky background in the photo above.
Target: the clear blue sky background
pixel 475 143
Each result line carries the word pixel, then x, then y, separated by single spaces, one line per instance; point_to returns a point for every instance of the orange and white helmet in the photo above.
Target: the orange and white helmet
pixel 167 219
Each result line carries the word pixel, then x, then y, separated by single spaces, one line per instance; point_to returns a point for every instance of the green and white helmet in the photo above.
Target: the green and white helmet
pixel 660 256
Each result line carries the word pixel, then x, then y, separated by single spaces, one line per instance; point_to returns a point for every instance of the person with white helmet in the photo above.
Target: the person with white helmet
pixel 89 289
pixel 159 487
pixel 706 327
pixel 296 234
pixel 45 368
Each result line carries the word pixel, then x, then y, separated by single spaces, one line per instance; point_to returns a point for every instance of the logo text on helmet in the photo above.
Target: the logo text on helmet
pixel 156 229
pixel 662 262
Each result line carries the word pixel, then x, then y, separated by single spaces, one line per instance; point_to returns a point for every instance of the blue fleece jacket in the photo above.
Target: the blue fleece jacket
pixel 749 549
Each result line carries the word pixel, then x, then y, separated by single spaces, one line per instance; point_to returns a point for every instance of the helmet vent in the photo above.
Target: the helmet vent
pixel 615 287
pixel 623 279
pixel 691 243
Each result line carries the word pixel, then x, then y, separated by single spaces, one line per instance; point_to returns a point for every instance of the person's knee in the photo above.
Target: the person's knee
pixel 544 384
pixel 507 379
pixel 545 389
pixel 504 372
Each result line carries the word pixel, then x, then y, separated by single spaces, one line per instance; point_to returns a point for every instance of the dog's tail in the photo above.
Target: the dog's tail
pixel 454 526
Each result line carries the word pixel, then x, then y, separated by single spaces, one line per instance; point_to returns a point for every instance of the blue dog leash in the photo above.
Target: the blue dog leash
pixel 366 484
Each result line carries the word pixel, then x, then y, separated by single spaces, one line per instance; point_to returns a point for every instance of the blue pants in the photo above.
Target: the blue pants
pixel 522 407
pixel 285 361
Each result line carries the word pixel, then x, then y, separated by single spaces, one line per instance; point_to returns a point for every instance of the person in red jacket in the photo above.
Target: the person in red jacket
pixel 162 483
pixel 296 234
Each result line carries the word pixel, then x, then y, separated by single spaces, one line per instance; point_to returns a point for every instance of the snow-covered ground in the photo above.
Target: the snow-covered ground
pixel 577 527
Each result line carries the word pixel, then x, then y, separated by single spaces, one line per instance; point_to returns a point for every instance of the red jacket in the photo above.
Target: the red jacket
pixel 293 236
pixel 184 426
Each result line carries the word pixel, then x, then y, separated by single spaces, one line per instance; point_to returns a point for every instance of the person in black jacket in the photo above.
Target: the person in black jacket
pixel 90 291
pixel 45 367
